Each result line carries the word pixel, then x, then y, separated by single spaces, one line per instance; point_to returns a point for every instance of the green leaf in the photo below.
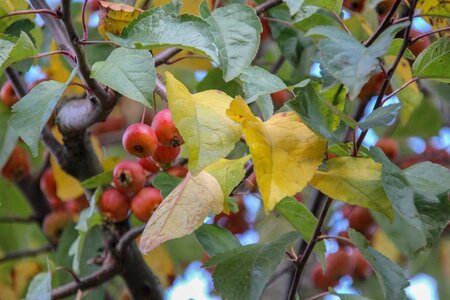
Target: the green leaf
pixel 162 26
pixel 130 72
pixel 8 137
pixel 258 82
pixel 32 112
pixel 310 106
pixel 347 59
pixel 294 5
pixel 303 220
pixel 433 62
pixel 243 272
pixel 331 5
pixel 407 229
pixel 380 117
pixel 215 239
pixel 395 47
pixel 347 296
pixel 165 183
pixel 235 29
pixel 263 106
pixel 214 81
pixel 98 180
pixel 391 277
pixel 40 287
pixel 309 17
pixel 88 219
pixel 14 49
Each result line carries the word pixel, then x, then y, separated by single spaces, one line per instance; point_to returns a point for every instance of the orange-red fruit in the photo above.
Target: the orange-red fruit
pixel 280 98
pixel 18 165
pixel 7 94
pixel 320 280
pixel 177 171
pixel 168 135
pixel 47 183
pixel 114 205
pixel 145 202
pixel 360 219
pixel 234 222
pixel 373 87
pixel 389 147
pixel 165 155
pixel 77 205
pixel 54 224
pixel 128 176
pixel 339 264
pixel 420 44
pixel 149 164
pixel 112 123
pixel 354 5
pixel 362 266
pixel 139 140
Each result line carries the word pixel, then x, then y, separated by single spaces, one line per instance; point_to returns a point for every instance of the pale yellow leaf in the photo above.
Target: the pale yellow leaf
pixel 114 17
pixel 354 180
pixel 183 210
pixel 202 121
pixel 285 153
pixel 228 173
pixel 161 264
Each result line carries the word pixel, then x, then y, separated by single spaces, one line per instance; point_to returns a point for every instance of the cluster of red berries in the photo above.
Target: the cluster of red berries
pixel 156 147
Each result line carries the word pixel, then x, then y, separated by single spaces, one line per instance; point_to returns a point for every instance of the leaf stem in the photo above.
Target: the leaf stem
pixel 57 52
pixel 83 20
pixel 414 40
pixel 88 43
pixel 30 12
pixel 18 219
pixel 385 24
pixel 405 85
pixel 318 296
pixel 25 253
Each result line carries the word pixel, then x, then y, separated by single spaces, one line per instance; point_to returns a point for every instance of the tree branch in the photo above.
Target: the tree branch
pixel 385 24
pixel 18 219
pixel 428 33
pixel 25 253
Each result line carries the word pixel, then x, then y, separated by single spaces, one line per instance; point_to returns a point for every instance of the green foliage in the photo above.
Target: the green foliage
pixel 382 116
pixel 13 49
pixel 216 240
pixel 41 286
pixel 259 82
pixel 130 72
pixel 165 183
pixel 433 62
pixel 8 137
pixel 98 180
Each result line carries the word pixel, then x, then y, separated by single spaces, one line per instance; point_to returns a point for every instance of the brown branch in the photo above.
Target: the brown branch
pixel 385 24
pixel 263 7
pixel 25 253
pixel 128 238
pixel 160 89
pixel 405 85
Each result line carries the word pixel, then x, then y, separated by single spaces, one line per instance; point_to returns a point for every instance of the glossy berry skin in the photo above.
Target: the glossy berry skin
pixel 18 165
pixel 177 171
pixel 47 183
pixel 280 98
pixel 389 147
pixel 145 202
pixel 168 135
pixel 128 176
pixel 165 155
pixel 139 140
pixel 420 44
pixel 7 94
pixel 149 164
pixel 114 205
pixel 54 224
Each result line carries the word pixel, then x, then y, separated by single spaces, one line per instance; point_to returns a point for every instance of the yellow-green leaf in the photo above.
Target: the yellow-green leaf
pixel 228 174
pixel 183 210
pixel 201 119
pixel 354 180
pixel 284 151
pixel 114 17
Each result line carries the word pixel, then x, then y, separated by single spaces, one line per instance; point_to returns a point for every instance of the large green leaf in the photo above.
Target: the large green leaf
pixel 407 229
pixel 303 220
pixel 243 272
pixel 433 63
pixel 380 117
pixel 257 82
pixel 347 59
pixel 8 138
pixel 162 26
pixel 32 112
pixel 236 29
pixel 391 277
pixel 294 5
pixel 165 183
pixel 216 240
pixel 131 72
pixel 14 49
pixel 331 5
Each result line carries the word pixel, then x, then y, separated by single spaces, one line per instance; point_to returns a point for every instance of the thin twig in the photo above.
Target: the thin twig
pixel 427 34
pixel 56 52
pixel 175 60
pixel 318 296
pixel 263 7
pixel 31 12
pixel 160 89
pixel 18 219
pixel 88 43
pixel 340 21
pixel 83 20
pixel 334 237
pixel 277 65
pixel 25 253
pixel 385 24
pixel 405 85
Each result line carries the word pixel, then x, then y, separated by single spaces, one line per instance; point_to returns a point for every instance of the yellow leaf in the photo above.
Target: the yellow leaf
pixel 410 97
pixel 7 293
pixel 58 70
pixel 434 7
pixel 228 173
pixel 114 17
pixel 356 181
pixel 183 210
pixel 24 271
pixel 161 264
pixel 284 151
pixel 201 119
pixel 190 7
pixel 68 187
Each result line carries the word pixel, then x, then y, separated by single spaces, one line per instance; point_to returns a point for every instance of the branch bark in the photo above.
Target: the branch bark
pixel 25 253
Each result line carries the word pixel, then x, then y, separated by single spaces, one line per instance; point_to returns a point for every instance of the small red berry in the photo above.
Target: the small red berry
pixel 320 280
pixel 7 94
pixel 18 165
pixel 168 135
pixel 149 164
pixel 139 140
pixel 389 147
pixel 47 183
pixel 280 98
pixel 145 202
pixel 128 177
pixel 114 205
pixel 165 155
pixel 177 171
pixel 54 224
